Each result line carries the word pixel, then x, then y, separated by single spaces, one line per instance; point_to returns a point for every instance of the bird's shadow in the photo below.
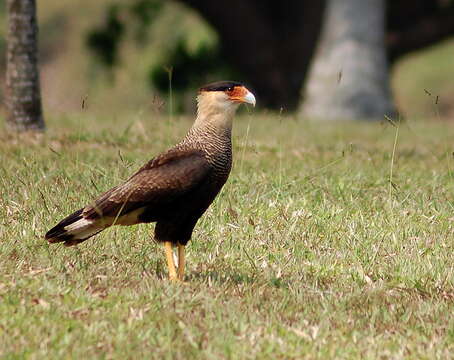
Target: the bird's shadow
pixel 227 276
pixel 234 277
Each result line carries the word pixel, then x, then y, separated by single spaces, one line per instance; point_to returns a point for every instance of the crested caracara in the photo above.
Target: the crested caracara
pixel 176 187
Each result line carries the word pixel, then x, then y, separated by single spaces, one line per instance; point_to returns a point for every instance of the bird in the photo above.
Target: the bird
pixel 173 189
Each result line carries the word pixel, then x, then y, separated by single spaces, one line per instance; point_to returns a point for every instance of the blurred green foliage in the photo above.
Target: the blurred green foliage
pixel 192 69
pixel 103 41
pixel 182 64
pixel 144 12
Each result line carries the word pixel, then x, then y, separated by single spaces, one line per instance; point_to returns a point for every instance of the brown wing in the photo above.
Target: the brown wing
pixel 160 181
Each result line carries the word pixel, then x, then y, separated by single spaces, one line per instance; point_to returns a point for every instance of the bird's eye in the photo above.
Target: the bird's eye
pixel 230 88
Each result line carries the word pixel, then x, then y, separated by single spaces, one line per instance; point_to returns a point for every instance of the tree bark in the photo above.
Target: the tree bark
pixel 349 76
pixel 22 95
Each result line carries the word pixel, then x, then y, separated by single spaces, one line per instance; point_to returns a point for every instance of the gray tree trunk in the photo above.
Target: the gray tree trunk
pixel 22 95
pixel 349 76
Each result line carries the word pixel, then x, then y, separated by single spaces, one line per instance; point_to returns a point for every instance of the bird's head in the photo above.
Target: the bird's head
pixel 224 96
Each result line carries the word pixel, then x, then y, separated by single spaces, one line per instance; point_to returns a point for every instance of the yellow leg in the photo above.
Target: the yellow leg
pixel 181 262
pixel 169 258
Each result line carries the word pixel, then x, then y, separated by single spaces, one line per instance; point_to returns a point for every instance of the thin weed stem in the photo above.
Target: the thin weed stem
pixel 391 184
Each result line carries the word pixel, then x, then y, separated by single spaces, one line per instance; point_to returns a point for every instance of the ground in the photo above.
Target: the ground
pixel 328 241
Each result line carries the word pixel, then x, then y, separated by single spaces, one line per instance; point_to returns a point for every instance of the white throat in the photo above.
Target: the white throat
pixel 215 111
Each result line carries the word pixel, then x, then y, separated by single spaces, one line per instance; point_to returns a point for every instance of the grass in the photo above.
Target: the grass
pixel 312 250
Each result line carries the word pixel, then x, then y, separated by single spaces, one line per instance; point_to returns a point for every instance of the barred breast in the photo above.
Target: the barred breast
pixel 217 145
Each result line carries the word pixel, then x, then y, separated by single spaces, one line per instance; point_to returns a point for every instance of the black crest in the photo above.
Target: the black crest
pixel 221 86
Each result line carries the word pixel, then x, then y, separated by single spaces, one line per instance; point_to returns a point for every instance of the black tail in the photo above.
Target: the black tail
pixel 74 229
pixel 58 232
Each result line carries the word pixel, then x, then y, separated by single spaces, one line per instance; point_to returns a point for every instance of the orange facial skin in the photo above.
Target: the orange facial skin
pixel 237 94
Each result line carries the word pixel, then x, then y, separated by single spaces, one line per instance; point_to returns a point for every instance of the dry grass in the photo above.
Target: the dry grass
pixel 309 252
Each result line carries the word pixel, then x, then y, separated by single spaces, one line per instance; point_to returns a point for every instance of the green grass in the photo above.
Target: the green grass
pixel 310 251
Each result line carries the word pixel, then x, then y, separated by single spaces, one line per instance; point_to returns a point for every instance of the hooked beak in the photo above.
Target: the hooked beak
pixel 242 95
pixel 249 98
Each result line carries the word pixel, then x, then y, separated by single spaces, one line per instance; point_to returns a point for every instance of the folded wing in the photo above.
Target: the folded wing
pixel 160 181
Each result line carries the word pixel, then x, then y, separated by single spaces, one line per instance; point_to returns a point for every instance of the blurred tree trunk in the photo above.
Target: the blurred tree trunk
pixel 349 77
pixel 22 95
pixel 270 42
